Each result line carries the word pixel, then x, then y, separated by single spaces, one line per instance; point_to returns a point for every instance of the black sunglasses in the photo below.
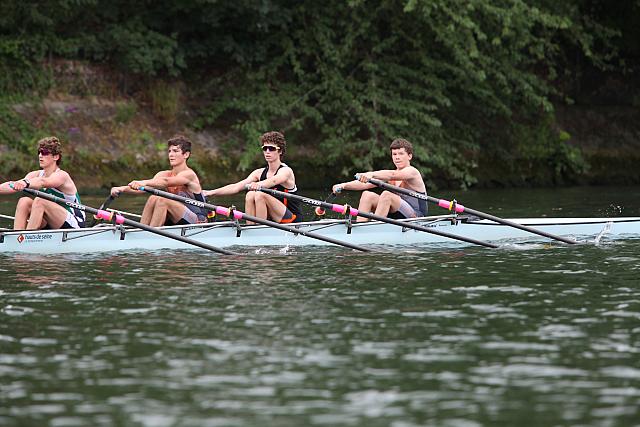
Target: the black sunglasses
pixel 271 148
pixel 44 152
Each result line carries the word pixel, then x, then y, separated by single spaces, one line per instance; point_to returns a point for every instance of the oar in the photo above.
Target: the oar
pixel 460 208
pixel 241 215
pixel 347 210
pixel 320 212
pixel 5 216
pixel 125 213
pixel 107 202
pixel 119 219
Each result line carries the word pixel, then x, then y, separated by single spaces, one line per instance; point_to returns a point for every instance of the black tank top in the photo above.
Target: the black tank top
pixel 292 205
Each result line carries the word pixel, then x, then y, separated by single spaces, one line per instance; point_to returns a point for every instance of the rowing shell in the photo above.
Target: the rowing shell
pixel 110 238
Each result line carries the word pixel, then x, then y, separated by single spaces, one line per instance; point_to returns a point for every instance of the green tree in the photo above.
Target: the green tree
pixel 459 78
pixel 346 78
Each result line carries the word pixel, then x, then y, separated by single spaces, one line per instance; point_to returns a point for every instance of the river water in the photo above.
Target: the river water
pixel 533 335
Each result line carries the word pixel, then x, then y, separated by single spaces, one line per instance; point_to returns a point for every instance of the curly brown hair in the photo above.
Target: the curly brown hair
pixel 401 143
pixel 180 141
pixel 275 138
pixel 52 145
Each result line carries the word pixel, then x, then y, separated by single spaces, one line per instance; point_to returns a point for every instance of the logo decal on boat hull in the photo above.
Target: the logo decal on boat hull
pixel 34 238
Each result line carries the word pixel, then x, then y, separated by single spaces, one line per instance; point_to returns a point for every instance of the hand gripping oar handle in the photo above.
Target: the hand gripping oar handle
pixel 241 215
pixel 119 219
pixel 348 210
pixel 460 208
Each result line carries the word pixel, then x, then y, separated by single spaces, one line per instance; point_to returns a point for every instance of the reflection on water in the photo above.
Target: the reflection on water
pixel 525 335
pixel 309 337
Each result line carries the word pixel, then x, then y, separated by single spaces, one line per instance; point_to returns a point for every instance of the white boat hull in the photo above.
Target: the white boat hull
pixel 225 234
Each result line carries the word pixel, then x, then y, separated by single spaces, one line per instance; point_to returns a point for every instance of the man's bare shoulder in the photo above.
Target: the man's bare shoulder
pixel 286 169
pixel 256 174
pixel 62 173
pixel 188 172
pixel 412 169
pixel 163 174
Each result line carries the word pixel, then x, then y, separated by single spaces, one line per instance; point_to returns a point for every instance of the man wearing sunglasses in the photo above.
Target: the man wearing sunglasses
pixel 397 206
pixel 276 175
pixel 35 214
pixel 180 180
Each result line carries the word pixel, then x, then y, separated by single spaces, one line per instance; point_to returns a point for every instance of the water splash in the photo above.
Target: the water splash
pixel 605 230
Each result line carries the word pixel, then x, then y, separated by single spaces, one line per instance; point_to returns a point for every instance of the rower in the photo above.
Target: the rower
pixel 276 175
pixel 180 180
pixel 389 204
pixel 38 213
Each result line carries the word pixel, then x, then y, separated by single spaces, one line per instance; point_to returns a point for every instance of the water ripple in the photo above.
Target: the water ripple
pixel 429 336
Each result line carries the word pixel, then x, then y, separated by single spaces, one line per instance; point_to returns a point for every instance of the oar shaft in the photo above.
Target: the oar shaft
pixel 107 202
pixel 520 226
pixel 241 215
pixel 460 208
pixel 355 212
pixel 318 210
pixel 123 213
pixel 119 219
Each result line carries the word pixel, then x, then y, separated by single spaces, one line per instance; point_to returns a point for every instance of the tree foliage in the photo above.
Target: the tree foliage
pixel 342 79
pixel 450 76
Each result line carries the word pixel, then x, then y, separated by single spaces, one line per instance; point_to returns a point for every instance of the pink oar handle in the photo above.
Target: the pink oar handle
pixel 108 216
pixel 342 209
pixel 227 212
pixel 449 205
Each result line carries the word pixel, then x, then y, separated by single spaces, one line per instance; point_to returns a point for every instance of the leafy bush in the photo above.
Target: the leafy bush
pixel 346 79
pixel 125 111
pixel 165 100
pixel 342 79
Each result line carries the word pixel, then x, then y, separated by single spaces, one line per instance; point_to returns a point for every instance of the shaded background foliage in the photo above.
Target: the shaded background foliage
pixel 472 83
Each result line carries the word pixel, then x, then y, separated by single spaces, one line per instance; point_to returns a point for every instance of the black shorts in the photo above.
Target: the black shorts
pixel 290 217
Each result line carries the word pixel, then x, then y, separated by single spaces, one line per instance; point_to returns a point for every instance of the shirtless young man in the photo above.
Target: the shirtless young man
pixel 276 175
pixel 34 214
pixel 388 203
pixel 180 180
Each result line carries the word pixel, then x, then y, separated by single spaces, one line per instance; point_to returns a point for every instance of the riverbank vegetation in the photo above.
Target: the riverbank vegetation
pixel 491 92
